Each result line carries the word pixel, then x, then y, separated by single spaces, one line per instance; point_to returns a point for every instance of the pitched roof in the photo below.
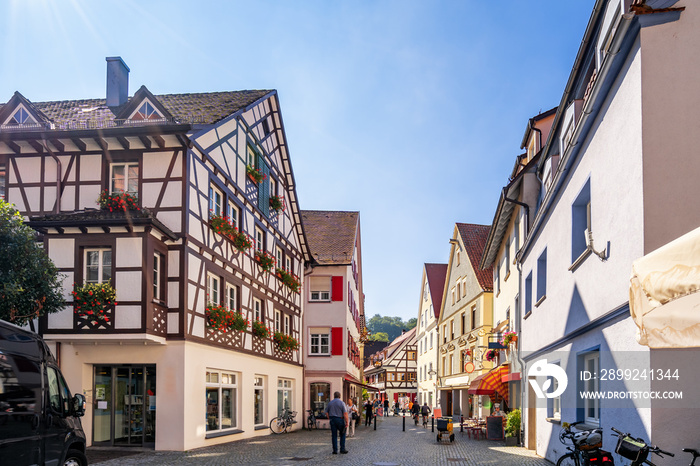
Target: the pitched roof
pixel 203 108
pixel 474 239
pixel 436 274
pixel 331 235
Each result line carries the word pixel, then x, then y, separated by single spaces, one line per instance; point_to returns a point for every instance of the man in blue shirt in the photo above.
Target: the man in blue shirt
pixel 338 415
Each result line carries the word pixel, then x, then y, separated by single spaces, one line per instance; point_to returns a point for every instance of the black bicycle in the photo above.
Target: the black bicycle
pixel 311 420
pixel 282 423
pixel 637 450
pixel 585 449
pixel 693 452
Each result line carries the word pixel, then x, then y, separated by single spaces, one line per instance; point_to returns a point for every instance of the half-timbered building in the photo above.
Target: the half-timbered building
pixel 392 371
pixel 334 307
pixel 207 173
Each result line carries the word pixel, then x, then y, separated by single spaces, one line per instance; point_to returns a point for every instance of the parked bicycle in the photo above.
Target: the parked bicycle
pixel 638 450
pixel 693 452
pixel 585 449
pixel 282 423
pixel 311 420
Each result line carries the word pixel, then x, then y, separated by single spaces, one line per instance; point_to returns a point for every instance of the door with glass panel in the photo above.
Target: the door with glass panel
pixel 125 406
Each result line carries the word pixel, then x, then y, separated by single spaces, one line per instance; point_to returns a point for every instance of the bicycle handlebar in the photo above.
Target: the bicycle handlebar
pixel 617 431
pixel 659 451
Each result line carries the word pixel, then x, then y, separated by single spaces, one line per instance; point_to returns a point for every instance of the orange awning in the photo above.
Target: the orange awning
pixel 491 384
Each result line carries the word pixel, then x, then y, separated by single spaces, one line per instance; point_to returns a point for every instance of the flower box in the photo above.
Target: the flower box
pixel 259 330
pixel 264 259
pixel 221 225
pixel 290 280
pixel 118 201
pixel 285 342
pixel 508 338
pixel 491 355
pixel 93 301
pixel 255 174
pixel 277 203
pixel 224 320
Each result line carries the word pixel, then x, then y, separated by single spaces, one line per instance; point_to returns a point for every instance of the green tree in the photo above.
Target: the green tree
pixel 379 336
pixel 30 285
pixel 392 326
pixel 411 323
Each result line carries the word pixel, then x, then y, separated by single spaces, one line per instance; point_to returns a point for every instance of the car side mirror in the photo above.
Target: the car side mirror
pixel 79 405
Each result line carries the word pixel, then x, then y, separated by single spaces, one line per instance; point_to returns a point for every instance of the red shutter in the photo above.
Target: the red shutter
pixel 336 288
pixel 337 340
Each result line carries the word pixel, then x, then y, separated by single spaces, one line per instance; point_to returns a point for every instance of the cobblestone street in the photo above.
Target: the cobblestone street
pixel 388 445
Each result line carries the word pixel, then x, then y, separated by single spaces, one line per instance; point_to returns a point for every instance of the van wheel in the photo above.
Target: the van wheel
pixel 75 458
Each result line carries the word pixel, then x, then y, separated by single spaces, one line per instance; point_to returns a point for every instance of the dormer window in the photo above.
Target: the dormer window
pixel 21 117
pixel 146 112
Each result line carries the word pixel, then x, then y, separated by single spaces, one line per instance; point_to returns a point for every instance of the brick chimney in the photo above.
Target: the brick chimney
pixel 117 81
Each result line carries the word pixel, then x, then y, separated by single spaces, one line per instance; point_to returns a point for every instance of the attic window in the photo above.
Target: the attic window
pixel 146 112
pixel 21 117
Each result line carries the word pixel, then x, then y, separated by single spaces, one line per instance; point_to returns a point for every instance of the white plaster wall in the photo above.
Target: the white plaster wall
pixel 129 252
pixel 62 251
pixel 128 286
pixel 90 167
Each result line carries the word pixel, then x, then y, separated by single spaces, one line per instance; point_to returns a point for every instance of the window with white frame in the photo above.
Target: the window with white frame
pixel 542 276
pixel 507 251
pixel 287 325
pixel 231 296
pixel 222 400
pixel 234 213
pixel 554 404
pixel 464 287
pixel 288 263
pixel 581 222
pixel 459 290
pixel 273 187
pixel 124 177
pixel 279 256
pixel 216 201
pixel 320 288
pixel 157 275
pixel 458 258
pixel 259 239
pixel 213 288
pixel 452 292
pixel 528 294
pixel 259 400
pixel 278 320
pixel 284 395
pixel 319 342
pixel 257 309
pixel 591 404
pixel 98 265
pixel 146 112
pixel 21 117
pixel 430 370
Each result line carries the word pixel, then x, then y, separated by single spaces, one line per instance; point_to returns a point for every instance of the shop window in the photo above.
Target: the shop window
pixel 259 400
pixel 284 395
pixel 320 393
pixel 98 265
pixel 222 400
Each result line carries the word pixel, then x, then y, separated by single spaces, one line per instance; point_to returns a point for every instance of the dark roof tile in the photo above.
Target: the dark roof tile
pixel 331 235
pixel 474 239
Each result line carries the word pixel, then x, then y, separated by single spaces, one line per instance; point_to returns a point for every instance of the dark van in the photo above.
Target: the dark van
pixel 39 419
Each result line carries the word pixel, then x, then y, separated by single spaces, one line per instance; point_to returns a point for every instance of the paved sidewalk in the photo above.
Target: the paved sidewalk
pixel 388 445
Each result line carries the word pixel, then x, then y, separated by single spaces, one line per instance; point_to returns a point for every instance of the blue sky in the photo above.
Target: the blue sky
pixel 411 112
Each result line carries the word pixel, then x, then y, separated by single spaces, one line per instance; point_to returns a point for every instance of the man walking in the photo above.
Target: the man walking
pixel 338 415
pixel 386 407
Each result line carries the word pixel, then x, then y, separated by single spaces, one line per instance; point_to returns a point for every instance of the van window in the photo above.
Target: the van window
pixel 59 396
pixel 20 385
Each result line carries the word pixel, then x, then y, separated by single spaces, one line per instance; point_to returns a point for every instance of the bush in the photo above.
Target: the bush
pixel 513 423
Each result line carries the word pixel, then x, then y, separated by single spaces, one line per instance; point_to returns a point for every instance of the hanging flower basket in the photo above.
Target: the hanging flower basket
pixel 221 225
pixel 222 319
pixel 290 280
pixel 264 259
pixel 259 330
pixel 277 203
pixel 508 338
pixel 491 355
pixel 255 174
pixel 285 342
pixel 118 201
pixel 93 301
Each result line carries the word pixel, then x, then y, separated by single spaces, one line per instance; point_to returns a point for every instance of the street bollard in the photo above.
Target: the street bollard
pixel 375 422
pixel 432 423
pixel 404 423
pixel 461 424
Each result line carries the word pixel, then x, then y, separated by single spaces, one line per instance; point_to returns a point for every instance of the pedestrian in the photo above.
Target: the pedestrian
pixel 352 416
pixel 338 414
pixel 386 407
pixel 368 413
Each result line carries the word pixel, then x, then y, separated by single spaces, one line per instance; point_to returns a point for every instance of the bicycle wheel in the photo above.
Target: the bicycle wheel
pixel 278 425
pixel 310 423
pixel 569 459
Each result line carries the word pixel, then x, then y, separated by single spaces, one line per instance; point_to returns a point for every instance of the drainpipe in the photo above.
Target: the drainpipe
pixel 522 204
pixel 59 170
pixel 523 380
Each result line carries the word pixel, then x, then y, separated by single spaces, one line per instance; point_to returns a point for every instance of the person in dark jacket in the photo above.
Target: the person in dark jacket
pixel 368 413
pixel 386 407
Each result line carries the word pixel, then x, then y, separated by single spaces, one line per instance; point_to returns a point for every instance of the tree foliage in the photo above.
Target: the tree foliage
pixel 391 326
pixel 30 285
pixel 379 336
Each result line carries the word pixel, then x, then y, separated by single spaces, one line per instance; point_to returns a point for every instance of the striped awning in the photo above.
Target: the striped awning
pixel 491 384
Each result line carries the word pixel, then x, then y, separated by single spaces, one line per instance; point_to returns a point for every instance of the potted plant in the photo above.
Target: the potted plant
pixel 288 279
pixel 255 174
pixel 513 428
pixel 118 201
pixel 259 330
pixel 222 319
pixel 285 342
pixel 508 338
pixel 491 355
pixel 93 301
pixel 277 203
pixel 264 259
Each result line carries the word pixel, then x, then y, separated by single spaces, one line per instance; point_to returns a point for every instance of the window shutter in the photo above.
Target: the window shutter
pixel 337 341
pixel 264 187
pixel 337 288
